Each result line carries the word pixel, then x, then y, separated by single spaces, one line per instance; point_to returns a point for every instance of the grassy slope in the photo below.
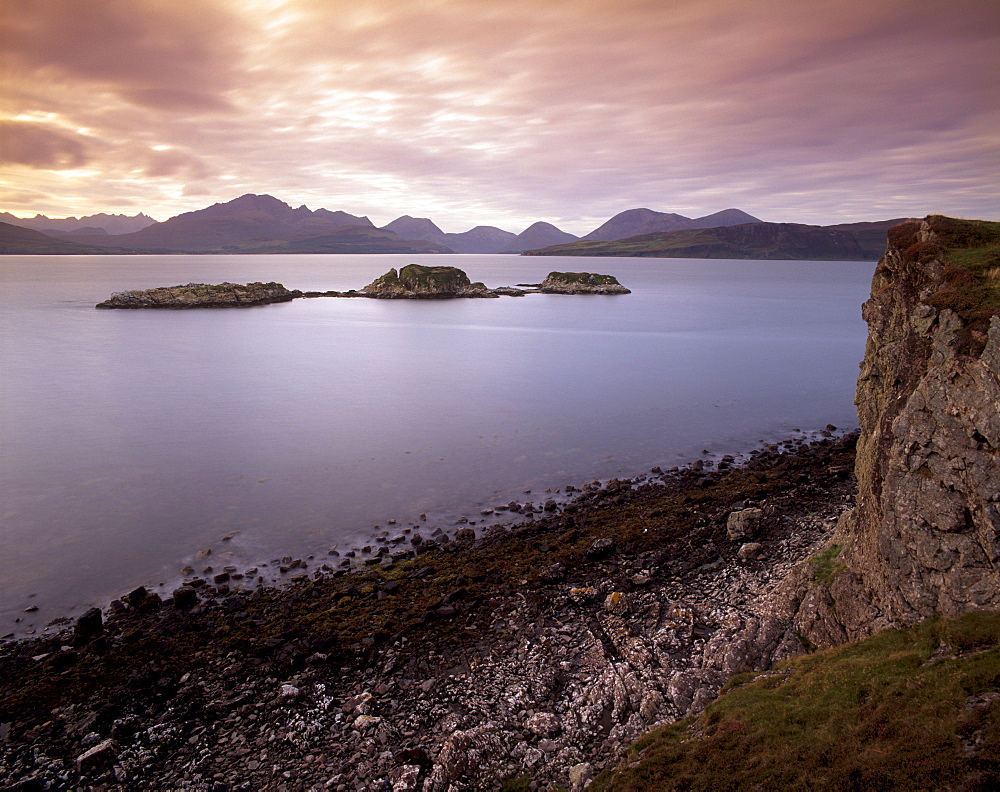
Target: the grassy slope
pixel 906 709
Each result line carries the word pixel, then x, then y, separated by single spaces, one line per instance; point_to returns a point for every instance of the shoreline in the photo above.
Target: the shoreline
pixel 393 533
pixel 495 639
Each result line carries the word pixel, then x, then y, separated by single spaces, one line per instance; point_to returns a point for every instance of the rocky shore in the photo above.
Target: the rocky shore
pixel 529 655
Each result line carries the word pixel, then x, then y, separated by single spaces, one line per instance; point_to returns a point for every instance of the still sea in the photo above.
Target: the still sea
pixel 132 440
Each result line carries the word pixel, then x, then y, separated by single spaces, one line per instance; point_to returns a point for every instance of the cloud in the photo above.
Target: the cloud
pixel 34 145
pixel 485 112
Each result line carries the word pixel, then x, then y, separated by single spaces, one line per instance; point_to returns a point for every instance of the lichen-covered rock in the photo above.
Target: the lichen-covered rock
pixel 417 281
pixel 581 283
pixel 743 524
pixel 202 295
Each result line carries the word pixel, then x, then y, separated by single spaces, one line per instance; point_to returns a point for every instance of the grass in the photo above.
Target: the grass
pixel 825 563
pixel 906 709
pixel 970 251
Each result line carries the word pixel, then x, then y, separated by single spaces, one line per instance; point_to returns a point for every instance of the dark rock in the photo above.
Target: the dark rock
pixel 185 597
pixel 601 548
pixel 89 624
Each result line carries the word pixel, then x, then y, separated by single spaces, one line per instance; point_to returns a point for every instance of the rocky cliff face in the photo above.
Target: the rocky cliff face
pixel 924 538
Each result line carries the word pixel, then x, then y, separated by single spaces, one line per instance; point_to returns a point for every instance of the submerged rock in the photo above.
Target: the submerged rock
pixel 581 283
pixel 202 295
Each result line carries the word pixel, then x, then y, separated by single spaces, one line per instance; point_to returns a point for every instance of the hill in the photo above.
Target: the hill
pixel 17 240
pixel 537 235
pixel 748 241
pixel 645 221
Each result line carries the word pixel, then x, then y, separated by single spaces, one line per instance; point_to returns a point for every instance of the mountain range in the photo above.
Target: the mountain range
pixel 789 241
pixel 264 224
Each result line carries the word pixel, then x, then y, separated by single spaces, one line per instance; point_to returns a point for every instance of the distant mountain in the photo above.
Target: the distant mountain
pixel 537 235
pixel 746 241
pixel 18 240
pixel 107 223
pixel 481 239
pixel 232 226
pixel 415 228
pixel 351 239
pixel 645 221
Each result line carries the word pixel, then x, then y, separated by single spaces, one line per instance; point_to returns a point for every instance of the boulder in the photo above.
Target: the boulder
pixel 743 524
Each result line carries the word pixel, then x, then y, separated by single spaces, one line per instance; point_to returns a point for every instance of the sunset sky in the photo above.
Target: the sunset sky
pixel 488 112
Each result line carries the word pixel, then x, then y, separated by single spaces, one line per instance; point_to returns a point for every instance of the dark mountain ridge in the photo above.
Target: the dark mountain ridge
pixel 646 221
pixel 108 223
pixel 787 241
pixel 540 234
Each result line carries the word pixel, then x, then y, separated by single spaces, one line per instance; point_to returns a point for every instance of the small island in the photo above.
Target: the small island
pixel 412 282
pixel 581 283
pixel 202 295
pixel 416 282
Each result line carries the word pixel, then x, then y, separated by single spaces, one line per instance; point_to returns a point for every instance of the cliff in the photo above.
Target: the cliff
pixel 202 295
pixel 924 538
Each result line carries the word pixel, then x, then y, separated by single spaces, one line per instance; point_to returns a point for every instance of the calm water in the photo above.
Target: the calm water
pixel 132 439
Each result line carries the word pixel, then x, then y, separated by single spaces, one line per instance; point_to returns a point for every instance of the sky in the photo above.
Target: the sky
pixel 477 112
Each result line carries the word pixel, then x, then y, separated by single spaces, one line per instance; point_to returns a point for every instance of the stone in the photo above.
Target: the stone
pixel 601 548
pixel 90 623
pixel 97 758
pixel 543 724
pixel 743 524
pixel 580 775
pixel 618 603
pixel 185 597
pixel 750 550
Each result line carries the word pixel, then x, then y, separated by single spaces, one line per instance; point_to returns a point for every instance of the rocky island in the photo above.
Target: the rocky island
pixel 581 283
pixel 420 282
pixel 202 295
pixel 412 282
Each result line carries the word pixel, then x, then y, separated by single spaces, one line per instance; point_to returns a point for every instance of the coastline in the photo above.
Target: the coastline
pixel 229 564
pixel 494 634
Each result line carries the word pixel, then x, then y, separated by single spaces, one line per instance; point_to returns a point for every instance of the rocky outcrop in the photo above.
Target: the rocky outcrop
pixel 581 283
pixel 924 538
pixel 202 295
pixel 416 281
